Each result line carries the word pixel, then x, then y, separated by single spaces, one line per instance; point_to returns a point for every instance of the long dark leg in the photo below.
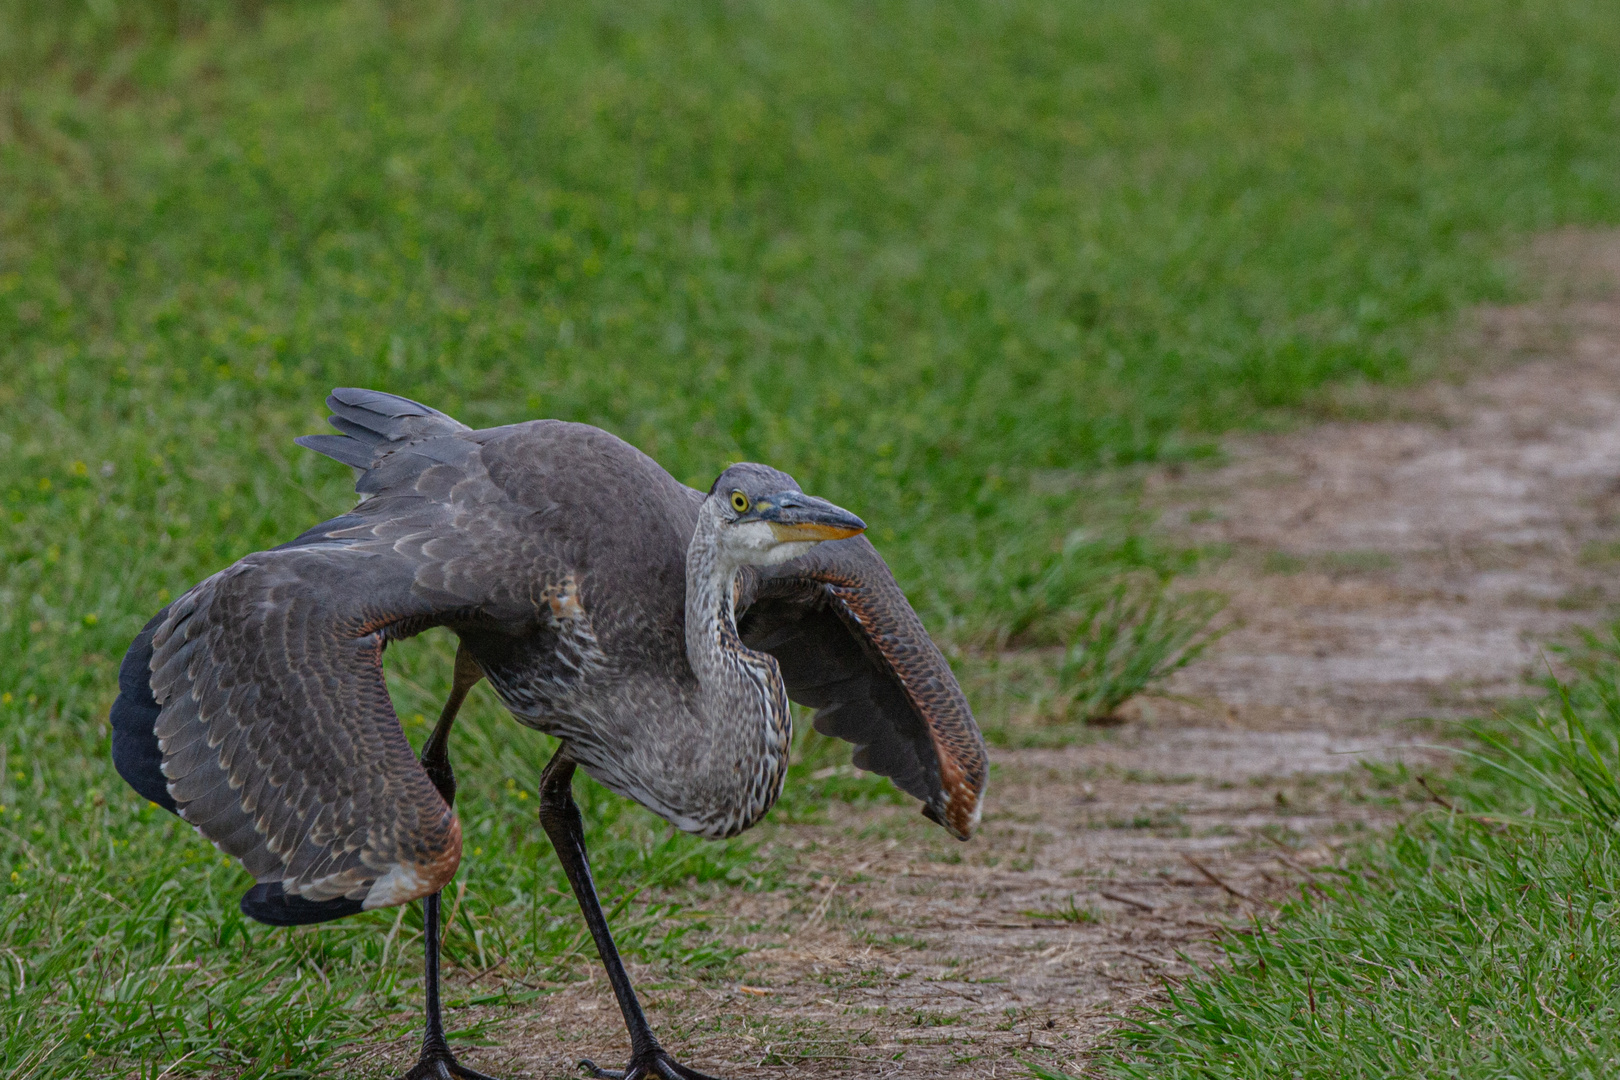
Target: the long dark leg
pixel 436 1062
pixel 559 815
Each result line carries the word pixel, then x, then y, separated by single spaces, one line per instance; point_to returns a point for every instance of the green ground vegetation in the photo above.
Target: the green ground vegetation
pixel 946 263
pixel 1476 941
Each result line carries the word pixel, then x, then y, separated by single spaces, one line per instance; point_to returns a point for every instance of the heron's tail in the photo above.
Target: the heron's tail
pixel 374 423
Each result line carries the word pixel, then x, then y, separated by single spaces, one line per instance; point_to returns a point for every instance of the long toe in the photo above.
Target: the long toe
pixel 655 1066
pixel 461 1072
pixel 443 1067
pixel 671 1069
pixel 431 1069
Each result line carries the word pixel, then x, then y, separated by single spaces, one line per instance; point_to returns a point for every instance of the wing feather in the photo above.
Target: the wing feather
pixel 256 706
pixel 278 739
pixel 851 647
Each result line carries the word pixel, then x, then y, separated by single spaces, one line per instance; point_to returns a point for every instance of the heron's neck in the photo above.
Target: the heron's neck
pixel 741 696
pixel 727 670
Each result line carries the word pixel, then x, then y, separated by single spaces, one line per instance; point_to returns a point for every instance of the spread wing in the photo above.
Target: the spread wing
pixel 850 646
pixel 278 740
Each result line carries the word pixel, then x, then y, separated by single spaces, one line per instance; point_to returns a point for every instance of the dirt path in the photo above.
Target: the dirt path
pixel 1382 571
pixel 1419 567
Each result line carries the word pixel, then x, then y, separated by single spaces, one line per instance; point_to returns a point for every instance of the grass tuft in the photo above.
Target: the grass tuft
pixel 1070 912
pixel 1129 638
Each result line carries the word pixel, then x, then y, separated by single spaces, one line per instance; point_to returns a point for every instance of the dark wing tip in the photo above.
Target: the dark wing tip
pixel 269 903
pixel 136 753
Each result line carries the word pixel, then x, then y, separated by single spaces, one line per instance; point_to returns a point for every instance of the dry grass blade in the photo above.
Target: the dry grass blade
pixel 1216 879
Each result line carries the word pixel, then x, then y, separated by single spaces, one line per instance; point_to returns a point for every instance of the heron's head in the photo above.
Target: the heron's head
pixel 765 519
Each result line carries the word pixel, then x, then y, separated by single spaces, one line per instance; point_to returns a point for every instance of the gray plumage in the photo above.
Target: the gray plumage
pixel 658 631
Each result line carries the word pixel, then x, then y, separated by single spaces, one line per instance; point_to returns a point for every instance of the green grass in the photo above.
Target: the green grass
pixel 1477 941
pixel 942 262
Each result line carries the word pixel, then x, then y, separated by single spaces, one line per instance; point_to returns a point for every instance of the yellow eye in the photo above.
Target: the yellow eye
pixel 739 502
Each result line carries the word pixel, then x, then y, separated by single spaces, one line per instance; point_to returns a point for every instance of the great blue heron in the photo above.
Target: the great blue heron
pixel 659 632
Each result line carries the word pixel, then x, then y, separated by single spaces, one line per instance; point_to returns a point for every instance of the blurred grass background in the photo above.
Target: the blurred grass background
pixel 946 263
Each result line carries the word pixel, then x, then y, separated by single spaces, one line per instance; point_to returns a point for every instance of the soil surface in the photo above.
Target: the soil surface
pixel 1380 572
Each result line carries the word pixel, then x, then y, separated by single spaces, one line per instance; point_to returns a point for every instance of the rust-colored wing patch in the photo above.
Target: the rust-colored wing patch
pixel 927 681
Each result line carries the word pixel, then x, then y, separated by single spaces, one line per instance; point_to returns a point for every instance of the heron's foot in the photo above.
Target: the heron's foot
pixel 442 1065
pixel 654 1065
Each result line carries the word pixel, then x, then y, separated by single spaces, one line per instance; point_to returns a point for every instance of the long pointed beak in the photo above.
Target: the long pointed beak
pixel 794 515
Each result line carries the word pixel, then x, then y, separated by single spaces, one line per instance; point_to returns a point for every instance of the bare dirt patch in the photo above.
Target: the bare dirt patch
pixel 1412 567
